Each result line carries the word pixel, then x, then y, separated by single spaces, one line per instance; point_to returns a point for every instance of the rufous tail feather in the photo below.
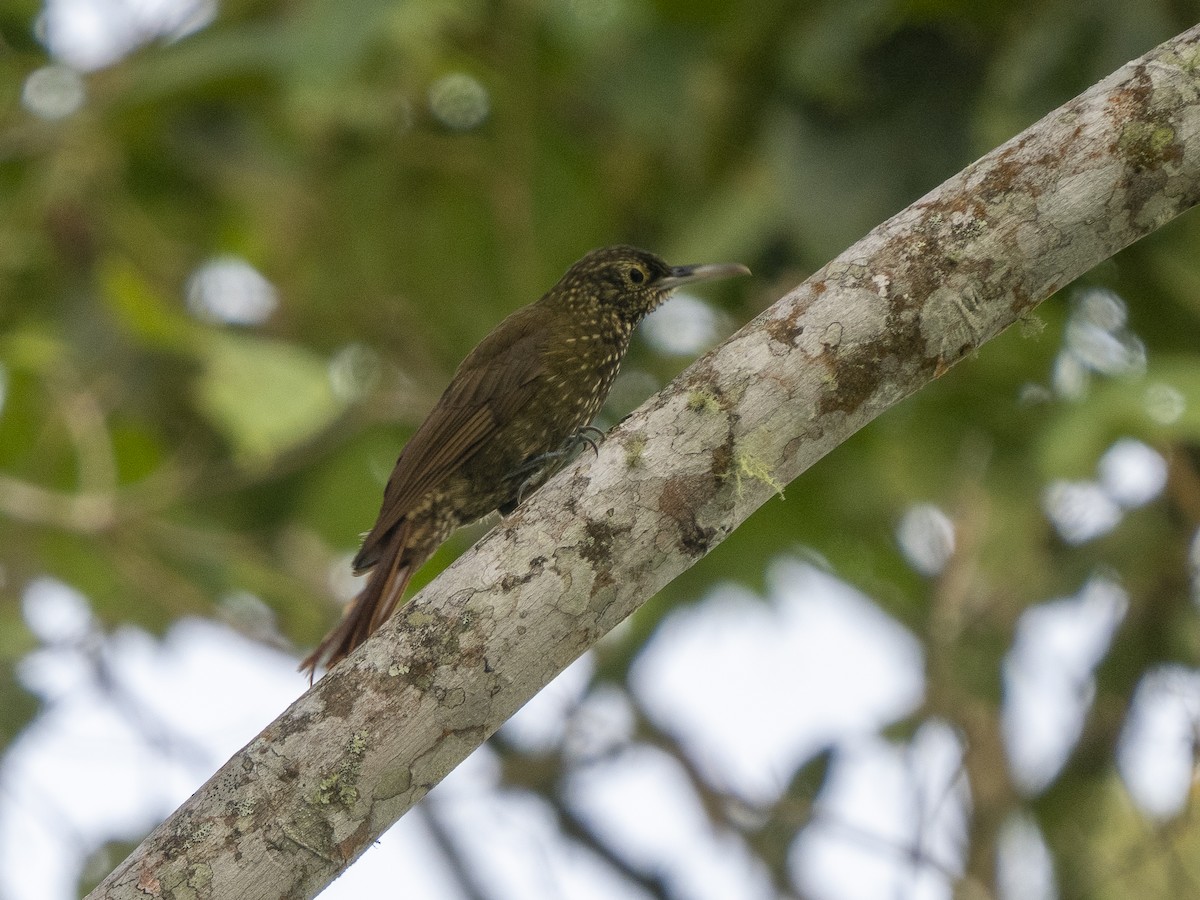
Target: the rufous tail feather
pixel 372 607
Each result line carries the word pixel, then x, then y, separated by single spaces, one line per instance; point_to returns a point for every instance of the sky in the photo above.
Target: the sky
pixel 113 761
pixel 752 686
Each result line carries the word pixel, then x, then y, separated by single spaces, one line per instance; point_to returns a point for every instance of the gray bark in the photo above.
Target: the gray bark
pixel 300 803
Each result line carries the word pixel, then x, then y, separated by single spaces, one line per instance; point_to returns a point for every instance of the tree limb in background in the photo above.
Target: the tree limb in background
pixel 306 797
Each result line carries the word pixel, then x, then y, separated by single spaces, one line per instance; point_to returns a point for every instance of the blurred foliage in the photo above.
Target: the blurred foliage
pixel 405 174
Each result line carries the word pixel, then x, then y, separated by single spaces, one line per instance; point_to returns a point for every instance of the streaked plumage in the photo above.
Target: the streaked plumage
pixel 530 386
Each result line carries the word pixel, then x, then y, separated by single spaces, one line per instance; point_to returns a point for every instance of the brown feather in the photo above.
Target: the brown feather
pixel 479 401
pixel 369 609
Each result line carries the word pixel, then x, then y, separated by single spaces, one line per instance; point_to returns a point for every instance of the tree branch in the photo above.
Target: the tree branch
pixel 308 795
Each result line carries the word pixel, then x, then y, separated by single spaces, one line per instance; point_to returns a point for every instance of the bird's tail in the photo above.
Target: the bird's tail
pixel 371 608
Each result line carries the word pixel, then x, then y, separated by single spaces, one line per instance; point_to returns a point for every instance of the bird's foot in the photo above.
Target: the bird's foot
pixel 544 465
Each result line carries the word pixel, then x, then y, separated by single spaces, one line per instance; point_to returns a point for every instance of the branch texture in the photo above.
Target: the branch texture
pixel 308 795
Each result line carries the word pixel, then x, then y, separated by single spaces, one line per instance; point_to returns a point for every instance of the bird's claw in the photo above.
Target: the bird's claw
pixel 588 434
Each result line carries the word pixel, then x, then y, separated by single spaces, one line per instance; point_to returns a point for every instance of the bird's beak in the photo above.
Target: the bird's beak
pixel 681 275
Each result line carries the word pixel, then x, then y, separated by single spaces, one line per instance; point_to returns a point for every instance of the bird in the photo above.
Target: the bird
pixel 517 407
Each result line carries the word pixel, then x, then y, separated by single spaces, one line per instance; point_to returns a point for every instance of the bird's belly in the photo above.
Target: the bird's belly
pixel 520 456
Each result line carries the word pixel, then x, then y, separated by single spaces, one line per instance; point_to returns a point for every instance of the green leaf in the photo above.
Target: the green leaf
pixel 264 396
pixel 143 310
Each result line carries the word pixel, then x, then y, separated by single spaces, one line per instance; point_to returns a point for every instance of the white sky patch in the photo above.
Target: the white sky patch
pixel 1096 335
pixel 541 724
pixel 683 326
pixel 1048 677
pixel 895 816
pixel 513 840
pixel 1024 866
pixel 1100 308
pixel 55 612
pixel 926 538
pixel 1097 339
pixel 229 289
pixel 97 765
pixel 1080 510
pixel 1070 377
pixel 90 34
pixel 406 861
pixel 1129 474
pixel 341 578
pixel 642 803
pixel 586 723
pixel 604 721
pixel 1132 473
pixel 768 667
pixel 1156 755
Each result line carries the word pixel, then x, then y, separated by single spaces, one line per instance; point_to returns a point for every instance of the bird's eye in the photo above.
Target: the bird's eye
pixel 637 274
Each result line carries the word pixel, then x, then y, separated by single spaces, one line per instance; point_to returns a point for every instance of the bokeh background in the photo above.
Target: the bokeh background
pixel 243 245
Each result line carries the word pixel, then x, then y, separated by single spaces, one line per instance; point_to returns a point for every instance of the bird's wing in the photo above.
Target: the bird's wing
pixel 495 381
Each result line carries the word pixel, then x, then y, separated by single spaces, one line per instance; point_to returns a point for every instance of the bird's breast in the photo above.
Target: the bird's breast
pixel 581 369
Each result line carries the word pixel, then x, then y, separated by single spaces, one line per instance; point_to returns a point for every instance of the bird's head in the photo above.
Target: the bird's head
pixel 632 282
